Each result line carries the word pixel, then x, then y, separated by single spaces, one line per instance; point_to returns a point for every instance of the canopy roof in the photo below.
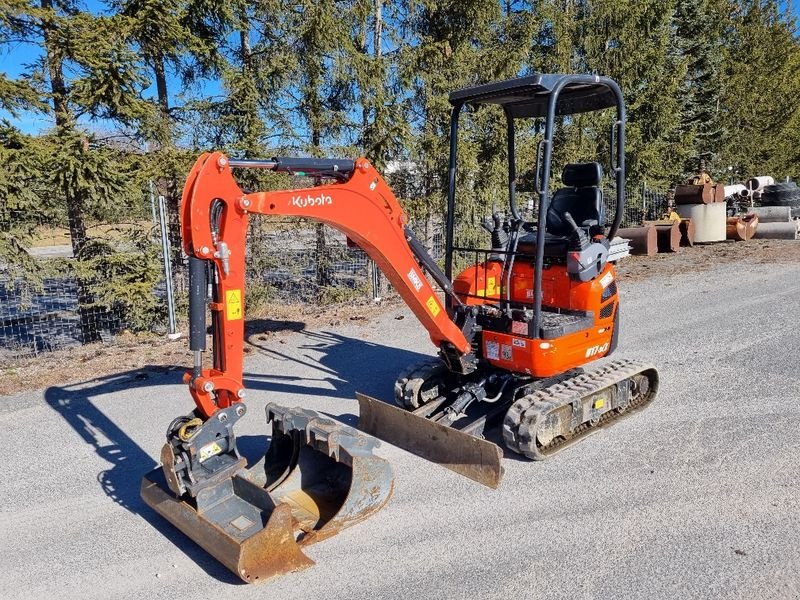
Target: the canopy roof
pixel 528 96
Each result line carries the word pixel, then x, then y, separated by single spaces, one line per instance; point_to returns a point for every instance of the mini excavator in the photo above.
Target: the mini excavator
pixel 514 331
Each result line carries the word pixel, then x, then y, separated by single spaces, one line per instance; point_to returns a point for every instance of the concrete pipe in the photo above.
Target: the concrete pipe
pixel 642 240
pixel 742 228
pixel 710 220
pixel 772 214
pixel 758 183
pixel 777 231
pixel 732 190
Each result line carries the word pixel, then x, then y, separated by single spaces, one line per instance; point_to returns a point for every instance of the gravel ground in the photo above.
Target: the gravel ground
pixel 697 497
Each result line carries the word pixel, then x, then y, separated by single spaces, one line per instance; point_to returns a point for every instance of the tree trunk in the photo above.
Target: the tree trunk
pixel 76 206
pixel 172 193
pixel 322 263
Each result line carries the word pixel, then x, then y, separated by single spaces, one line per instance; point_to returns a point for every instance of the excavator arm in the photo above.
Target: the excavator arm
pixel 214 222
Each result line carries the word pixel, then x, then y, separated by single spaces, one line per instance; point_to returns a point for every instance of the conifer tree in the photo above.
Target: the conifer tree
pixel 760 97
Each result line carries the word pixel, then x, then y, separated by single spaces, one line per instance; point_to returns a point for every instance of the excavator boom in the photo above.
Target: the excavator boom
pixel 214 225
pixel 317 476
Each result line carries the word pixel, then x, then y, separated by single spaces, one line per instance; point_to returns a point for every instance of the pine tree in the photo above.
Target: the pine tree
pixel 760 97
pixel 180 38
pixel 83 72
pixel 698 36
pixel 629 42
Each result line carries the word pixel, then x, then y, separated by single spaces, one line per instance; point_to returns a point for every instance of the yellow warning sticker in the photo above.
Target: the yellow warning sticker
pixel 490 284
pixel 599 403
pixel 209 450
pixel 433 306
pixel 233 305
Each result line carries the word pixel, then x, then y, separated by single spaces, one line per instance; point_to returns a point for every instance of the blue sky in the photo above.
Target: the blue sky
pixel 16 57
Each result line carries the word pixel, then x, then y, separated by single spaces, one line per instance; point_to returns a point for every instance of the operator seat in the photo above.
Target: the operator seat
pixel 582 199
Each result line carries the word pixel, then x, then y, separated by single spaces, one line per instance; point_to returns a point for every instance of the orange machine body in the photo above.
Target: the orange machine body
pixel 516 350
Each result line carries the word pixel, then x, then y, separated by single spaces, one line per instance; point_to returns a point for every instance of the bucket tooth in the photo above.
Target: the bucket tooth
pixel 317 478
pixel 466 454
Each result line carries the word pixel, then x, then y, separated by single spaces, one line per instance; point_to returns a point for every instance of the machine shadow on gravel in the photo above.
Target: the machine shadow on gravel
pixel 348 365
pixel 128 460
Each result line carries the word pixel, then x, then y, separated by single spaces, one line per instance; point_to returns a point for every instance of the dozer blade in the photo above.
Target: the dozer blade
pixel 467 455
pixel 317 478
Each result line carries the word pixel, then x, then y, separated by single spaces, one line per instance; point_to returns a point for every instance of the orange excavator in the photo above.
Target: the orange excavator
pixel 514 331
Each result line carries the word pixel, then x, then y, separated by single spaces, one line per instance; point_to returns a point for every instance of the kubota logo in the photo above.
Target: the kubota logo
pixel 303 201
pixel 599 349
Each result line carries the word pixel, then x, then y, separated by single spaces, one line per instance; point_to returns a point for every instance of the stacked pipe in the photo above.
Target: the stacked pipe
pixel 776 223
pixel 619 248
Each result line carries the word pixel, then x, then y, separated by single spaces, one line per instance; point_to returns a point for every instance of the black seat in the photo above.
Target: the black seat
pixel 582 199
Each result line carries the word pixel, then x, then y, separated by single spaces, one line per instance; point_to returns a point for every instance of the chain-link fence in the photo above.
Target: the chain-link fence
pixel 641 204
pixel 59 290
pixel 50 299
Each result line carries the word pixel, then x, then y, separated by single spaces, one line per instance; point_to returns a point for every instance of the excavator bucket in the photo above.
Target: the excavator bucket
pixel 457 450
pixel 317 478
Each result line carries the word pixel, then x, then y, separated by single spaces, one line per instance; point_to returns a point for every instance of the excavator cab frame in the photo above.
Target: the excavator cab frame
pixel 536 97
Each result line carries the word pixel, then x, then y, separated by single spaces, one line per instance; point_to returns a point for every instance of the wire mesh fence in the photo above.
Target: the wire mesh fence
pixel 51 300
pixel 59 291
pixel 641 204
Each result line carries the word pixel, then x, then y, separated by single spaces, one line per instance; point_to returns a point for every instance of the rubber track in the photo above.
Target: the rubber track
pixel 407 384
pixel 522 419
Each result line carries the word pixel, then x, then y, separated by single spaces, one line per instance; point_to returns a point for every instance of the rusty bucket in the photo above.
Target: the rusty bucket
pixel 742 228
pixel 317 478
pixel 642 239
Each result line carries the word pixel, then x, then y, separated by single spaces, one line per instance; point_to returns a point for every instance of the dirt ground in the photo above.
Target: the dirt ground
pixel 131 352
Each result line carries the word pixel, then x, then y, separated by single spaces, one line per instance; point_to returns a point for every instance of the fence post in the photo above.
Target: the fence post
pixel 162 213
pixel 375 272
pixel 643 196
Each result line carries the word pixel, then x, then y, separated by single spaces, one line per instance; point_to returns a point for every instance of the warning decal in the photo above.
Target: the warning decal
pixel 209 450
pixel 433 306
pixel 233 305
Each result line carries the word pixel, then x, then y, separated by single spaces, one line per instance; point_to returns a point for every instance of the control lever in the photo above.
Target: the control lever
pixel 496 226
pixel 579 241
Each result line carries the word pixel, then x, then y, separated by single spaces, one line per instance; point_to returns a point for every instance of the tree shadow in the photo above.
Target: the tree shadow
pixel 128 461
pixel 264 326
